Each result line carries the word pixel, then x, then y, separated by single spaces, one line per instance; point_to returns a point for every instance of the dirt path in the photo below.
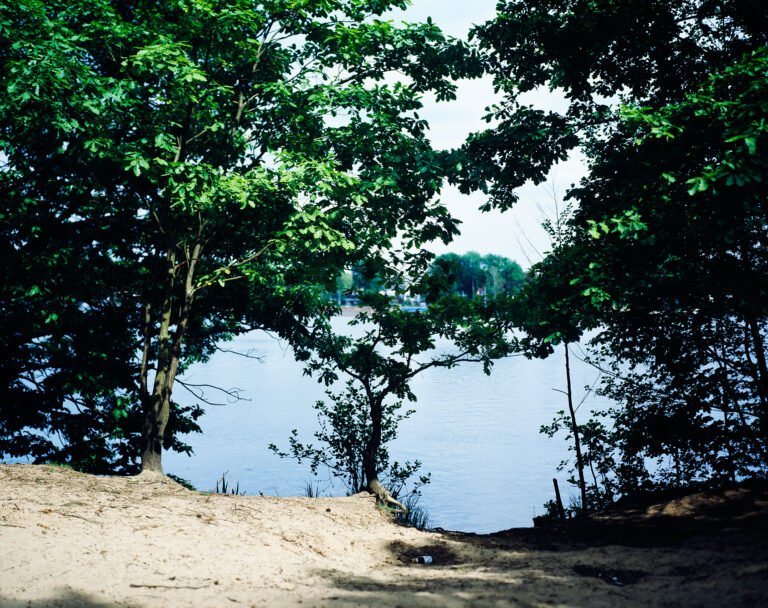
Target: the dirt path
pixel 68 539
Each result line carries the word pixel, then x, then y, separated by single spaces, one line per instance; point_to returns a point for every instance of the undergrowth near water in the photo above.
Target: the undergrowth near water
pixel 182 482
pixel 313 490
pixel 223 486
pixel 417 516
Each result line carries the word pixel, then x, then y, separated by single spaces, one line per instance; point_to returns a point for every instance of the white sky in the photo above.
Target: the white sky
pixel 517 233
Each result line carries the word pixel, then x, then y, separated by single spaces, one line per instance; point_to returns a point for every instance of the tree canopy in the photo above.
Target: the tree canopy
pixel 176 173
pixel 472 274
pixel 664 252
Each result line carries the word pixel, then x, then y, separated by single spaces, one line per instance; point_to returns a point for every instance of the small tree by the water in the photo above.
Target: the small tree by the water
pixel 378 367
pixel 345 428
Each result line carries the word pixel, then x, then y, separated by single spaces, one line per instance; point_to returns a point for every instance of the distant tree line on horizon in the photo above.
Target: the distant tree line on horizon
pixel 469 275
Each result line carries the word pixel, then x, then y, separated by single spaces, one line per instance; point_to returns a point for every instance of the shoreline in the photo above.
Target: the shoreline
pixel 74 539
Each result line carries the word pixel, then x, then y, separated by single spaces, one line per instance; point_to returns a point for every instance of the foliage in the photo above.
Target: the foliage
pixel 471 274
pixel 393 348
pixel 597 460
pixel 183 482
pixel 312 490
pixel 345 430
pixel 694 394
pixel 551 510
pixel 646 53
pixel 664 254
pixel 177 173
pixel 415 515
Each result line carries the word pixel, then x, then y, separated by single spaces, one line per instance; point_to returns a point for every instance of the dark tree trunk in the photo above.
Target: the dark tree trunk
pixel 156 416
pixel 576 440
pixel 370 454
pixel 157 406
pixel 374 444
pixel 152 442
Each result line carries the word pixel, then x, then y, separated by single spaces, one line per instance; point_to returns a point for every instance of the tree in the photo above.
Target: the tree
pixel 668 101
pixel 548 314
pixel 647 53
pixel 345 431
pixel 178 173
pixel 471 274
pixel 703 267
pixel 395 347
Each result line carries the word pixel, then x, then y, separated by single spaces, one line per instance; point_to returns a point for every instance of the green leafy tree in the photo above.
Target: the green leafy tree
pixel 345 431
pixel 664 254
pixel 471 274
pixel 693 327
pixel 646 53
pixel 379 366
pixel 177 173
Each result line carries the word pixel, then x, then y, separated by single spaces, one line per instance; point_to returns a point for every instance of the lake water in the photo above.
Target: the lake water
pixel 478 435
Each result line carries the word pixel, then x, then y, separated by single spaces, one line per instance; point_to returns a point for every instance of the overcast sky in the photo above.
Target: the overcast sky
pixel 517 233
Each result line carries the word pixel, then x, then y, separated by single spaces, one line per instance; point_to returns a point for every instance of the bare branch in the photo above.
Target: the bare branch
pixel 363 74
pixel 233 394
pixel 156 218
pixel 248 354
pixel 589 390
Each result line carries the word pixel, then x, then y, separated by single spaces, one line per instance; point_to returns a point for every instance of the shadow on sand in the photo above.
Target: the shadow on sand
pixel 66 599
pixel 711 553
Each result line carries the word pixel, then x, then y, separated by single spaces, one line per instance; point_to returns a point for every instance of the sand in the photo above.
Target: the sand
pixel 69 539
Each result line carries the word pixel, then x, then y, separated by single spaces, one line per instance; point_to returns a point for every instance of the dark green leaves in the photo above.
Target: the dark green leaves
pixel 176 173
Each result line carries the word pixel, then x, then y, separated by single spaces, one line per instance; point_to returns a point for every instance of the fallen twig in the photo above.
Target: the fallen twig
pixel 90 521
pixel 137 585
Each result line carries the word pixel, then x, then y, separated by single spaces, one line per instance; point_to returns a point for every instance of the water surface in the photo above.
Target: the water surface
pixel 478 435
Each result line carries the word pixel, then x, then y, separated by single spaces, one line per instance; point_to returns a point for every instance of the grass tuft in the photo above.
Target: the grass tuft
pixel 417 516
pixel 223 486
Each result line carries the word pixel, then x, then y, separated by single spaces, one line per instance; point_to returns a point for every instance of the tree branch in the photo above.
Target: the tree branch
pixel 147 341
pixel 233 394
pixel 247 355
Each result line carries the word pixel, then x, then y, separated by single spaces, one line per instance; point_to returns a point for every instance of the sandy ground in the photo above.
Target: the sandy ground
pixel 68 539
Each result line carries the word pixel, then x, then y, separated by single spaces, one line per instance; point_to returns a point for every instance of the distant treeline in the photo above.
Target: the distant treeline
pixel 480 275
pixel 469 275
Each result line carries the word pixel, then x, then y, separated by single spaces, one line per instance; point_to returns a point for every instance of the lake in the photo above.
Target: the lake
pixel 477 435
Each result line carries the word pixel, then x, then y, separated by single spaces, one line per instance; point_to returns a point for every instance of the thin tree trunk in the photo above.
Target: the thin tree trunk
pixel 158 406
pixel 726 402
pixel 373 445
pixel 762 375
pixel 370 453
pixel 576 441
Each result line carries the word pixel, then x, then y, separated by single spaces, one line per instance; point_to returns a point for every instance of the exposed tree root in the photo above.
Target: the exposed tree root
pixel 384 497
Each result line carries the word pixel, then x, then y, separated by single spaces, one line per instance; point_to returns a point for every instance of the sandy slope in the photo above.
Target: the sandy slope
pixel 68 539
